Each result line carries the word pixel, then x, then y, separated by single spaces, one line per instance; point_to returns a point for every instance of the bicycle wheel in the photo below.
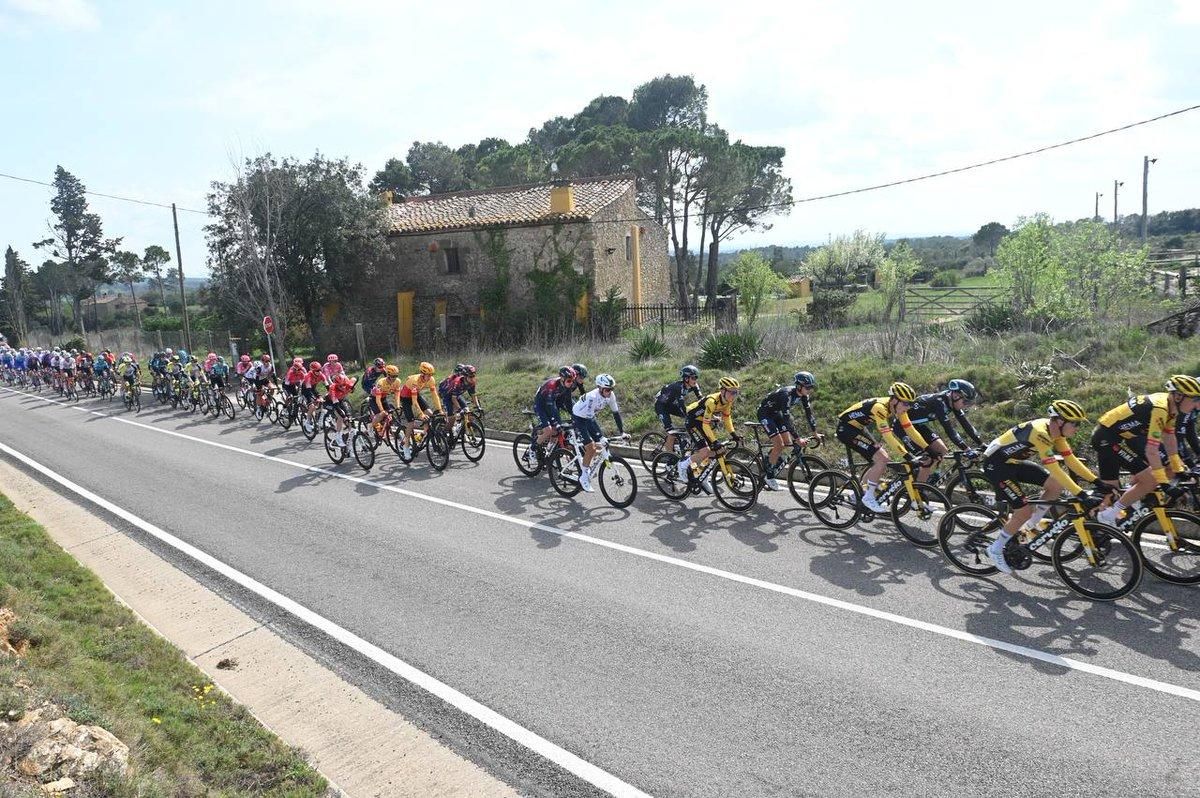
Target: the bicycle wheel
pixel 437 445
pixel 473 441
pixel 800 472
pixel 834 498
pixel 334 450
pixel 650 446
pixel 364 452
pixel 666 477
pixel 1180 565
pixel 227 407
pixel 564 472
pixel 525 455
pixel 735 485
pixel 751 460
pixel 286 414
pixel 1117 571
pixel 919 521
pixel 308 426
pixel 964 533
pixel 974 489
pixel 617 482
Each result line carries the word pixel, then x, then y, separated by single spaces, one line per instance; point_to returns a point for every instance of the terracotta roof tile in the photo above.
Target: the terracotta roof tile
pixel 503 207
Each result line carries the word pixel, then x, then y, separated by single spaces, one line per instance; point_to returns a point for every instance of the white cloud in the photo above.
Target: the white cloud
pixel 67 13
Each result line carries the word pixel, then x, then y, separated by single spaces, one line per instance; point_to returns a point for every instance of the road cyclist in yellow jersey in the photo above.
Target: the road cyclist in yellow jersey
pixel 1139 437
pixel 1007 465
pixel 700 415
pixel 410 392
pixel 853 430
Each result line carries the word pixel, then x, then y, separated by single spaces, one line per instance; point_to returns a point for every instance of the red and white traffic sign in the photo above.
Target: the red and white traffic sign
pixel 268 325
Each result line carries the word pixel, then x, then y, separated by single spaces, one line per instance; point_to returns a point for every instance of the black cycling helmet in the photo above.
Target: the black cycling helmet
pixel 805 379
pixel 580 370
pixel 965 388
pixel 688 371
pixel 379 363
pixel 567 373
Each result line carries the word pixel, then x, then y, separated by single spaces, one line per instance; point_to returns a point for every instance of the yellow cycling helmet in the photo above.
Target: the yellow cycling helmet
pixel 902 391
pixel 1182 383
pixel 730 384
pixel 426 368
pixel 1067 411
pixel 391 371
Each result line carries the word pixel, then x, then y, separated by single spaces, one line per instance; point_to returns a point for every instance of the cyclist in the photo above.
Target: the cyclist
pixel 102 369
pixel 332 367
pixel 672 400
pixel 410 392
pixel 308 387
pixel 699 420
pixel 218 374
pixel 129 373
pixel 385 390
pixel 930 407
pixel 1189 441
pixel 583 415
pixel 294 377
pixel 581 375
pixel 340 387
pixel 775 414
pixel 373 373
pixel 243 365
pixel 552 397
pixel 852 431
pixel 1139 437
pixel 260 375
pixel 1006 463
pixel 452 389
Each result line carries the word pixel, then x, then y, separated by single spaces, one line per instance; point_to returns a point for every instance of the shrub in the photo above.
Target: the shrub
pixel 1038 384
pixel 978 267
pixel 731 350
pixel 829 306
pixel 946 278
pixel 991 318
pixel 647 346
pixel 74 343
pixel 523 363
pixel 154 323
pixel 606 315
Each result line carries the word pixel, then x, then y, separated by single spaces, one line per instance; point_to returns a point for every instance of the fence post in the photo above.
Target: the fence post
pixel 662 320
pixel 159 334
pixel 903 303
pixel 362 349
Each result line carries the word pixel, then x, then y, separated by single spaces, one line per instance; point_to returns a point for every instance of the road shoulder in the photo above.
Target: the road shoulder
pixel 354 741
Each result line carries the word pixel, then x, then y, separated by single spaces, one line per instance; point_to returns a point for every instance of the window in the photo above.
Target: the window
pixel 628 247
pixel 453 266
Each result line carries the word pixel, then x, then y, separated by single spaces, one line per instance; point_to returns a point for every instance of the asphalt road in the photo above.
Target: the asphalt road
pixel 736 678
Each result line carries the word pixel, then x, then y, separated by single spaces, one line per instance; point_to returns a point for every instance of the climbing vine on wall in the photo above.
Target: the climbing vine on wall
pixel 557 285
pixel 493 294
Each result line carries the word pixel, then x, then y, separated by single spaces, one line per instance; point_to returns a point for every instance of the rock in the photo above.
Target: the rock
pixel 62 785
pixel 62 747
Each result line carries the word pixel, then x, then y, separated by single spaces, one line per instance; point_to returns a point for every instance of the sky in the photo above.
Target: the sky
pixel 157 100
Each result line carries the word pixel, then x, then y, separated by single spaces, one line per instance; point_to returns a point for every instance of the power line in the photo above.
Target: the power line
pixel 789 203
pixel 108 196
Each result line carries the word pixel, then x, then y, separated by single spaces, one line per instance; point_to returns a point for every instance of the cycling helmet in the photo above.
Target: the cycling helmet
pixel 168 351
pixel 221 360
pixel 1067 411
pixel 468 370
pixel 331 358
pixel 688 371
pixel 1182 383
pixel 193 359
pixel 605 381
pixel 379 363
pixel 730 384
pixel 426 368
pixel 965 388
pixel 175 358
pixel 805 379
pixel 89 355
pixel 245 358
pixel 580 370
pixel 297 361
pixel 265 358
pixel 567 373
pixel 458 368
pixel 127 359
pixel 314 366
pixel 391 371
pixel 902 391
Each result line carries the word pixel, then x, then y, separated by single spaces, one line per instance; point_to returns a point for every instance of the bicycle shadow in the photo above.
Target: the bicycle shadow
pixel 865 559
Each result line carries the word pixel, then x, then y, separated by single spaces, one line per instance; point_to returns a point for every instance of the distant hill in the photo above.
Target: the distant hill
pixel 189 284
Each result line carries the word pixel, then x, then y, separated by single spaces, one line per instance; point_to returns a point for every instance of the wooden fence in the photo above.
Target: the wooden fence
pixel 1174 272
pixel 926 304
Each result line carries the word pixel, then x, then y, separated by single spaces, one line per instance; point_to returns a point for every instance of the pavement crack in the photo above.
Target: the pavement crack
pixel 93 540
pixel 255 628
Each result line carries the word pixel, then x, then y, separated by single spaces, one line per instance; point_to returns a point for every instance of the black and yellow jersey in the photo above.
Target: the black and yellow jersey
pixel 703 410
pixel 874 412
pixel 1033 439
pixel 1147 416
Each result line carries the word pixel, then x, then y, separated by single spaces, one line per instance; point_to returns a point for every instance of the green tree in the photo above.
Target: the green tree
pixel 127 267
pixel 154 259
pixel 988 237
pixel 510 166
pixel 1028 264
pixel 77 239
pixel 16 294
pixel 436 169
pixel 893 274
pixel 846 260
pixel 52 283
pixel 756 282
pixel 396 177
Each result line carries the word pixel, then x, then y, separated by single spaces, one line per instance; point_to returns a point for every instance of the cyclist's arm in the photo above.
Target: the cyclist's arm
pixel 808 413
pixel 437 400
pixel 952 433
pixel 968 427
pixel 1077 467
pixel 911 432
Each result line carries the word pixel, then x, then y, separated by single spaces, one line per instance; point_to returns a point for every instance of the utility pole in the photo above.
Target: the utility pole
pixel 1096 215
pixel 187 327
pixel 1146 161
pixel 1116 185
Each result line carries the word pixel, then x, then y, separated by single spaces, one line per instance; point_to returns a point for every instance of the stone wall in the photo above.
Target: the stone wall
pixel 609 232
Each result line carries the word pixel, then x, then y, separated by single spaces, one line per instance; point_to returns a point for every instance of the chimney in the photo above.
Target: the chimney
pixel 562 198
pixel 388 197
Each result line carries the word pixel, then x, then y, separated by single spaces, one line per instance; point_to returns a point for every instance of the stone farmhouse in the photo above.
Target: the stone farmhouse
pixel 457 257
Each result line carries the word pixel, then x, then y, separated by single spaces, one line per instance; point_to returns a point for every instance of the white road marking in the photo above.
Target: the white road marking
pixel 859 609
pixel 560 756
